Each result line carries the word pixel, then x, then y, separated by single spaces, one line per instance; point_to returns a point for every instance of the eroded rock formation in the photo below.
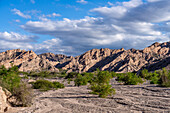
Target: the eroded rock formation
pixel 153 57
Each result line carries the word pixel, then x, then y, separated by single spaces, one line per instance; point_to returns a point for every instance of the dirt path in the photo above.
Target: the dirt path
pixel 128 99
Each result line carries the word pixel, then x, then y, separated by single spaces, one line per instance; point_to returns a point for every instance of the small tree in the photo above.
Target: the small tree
pixel 101 84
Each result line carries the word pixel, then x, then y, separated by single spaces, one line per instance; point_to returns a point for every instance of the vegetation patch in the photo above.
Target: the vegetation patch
pixel 100 84
pixel 10 80
pixel 45 85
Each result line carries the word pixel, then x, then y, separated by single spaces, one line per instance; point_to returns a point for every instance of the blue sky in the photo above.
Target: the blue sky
pixel 73 27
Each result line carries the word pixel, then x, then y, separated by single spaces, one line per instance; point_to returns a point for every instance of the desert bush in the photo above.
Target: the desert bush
pixel 80 80
pixel 58 85
pixel 101 84
pixel 144 73
pixel 165 78
pixel 24 94
pixel 130 79
pixel 45 85
pixel 154 78
pixel 10 80
pixel 83 79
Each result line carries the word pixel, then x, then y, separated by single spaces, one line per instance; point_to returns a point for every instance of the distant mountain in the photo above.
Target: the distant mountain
pixel 153 58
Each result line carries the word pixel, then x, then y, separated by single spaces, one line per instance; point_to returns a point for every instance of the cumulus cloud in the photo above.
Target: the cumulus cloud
pixel 82 1
pixel 132 24
pixel 14 40
pixel 19 13
pixel 16 37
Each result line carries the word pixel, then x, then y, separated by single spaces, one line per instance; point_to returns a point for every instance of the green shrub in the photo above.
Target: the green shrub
pixel 58 85
pixel 165 78
pixel 81 80
pixel 42 74
pixel 154 77
pixel 144 73
pixel 101 84
pixel 10 80
pixel 45 85
pixel 102 90
pixel 161 77
pixel 130 79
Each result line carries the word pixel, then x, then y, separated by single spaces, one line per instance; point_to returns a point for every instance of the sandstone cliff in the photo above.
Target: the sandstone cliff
pixel 121 60
pixel 25 60
pixel 153 57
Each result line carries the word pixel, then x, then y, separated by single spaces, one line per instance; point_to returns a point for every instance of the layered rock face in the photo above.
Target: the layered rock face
pixel 153 57
pixel 25 60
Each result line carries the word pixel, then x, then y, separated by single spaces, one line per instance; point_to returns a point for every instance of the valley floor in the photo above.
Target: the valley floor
pixel 128 99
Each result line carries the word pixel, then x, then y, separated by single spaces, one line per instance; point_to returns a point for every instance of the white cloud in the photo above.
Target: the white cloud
pixel 19 13
pixel 14 40
pixel 16 37
pixel 153 0
pixel 132 3
pixel 132 24
pixel 114 12
pixel 82 1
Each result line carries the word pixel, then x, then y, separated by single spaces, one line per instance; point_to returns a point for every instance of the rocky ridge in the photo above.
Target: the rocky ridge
pixel 25 60
pixel 153 57
pixel 121 60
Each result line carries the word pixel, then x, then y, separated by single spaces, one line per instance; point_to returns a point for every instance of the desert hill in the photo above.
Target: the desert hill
pixel 153 57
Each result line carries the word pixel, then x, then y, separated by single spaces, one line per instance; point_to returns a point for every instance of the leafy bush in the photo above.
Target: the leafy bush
pixel 165 78
pixel 130 79
pixel 144 73
pixel 10 80
pixel 80 80
pixel 83 79
pixel 154 77
pixel 161 77
pixel 45 85
pixel 58 85
pixel 101 84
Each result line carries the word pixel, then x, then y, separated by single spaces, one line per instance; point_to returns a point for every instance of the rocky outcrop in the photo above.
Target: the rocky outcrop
pixel 3 101
pixel 118 60
pixel 25 60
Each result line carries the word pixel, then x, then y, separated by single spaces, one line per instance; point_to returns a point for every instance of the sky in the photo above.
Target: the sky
pixel 72 27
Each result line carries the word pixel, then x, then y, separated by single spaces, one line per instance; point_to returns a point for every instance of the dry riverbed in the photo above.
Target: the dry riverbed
pixel 128 99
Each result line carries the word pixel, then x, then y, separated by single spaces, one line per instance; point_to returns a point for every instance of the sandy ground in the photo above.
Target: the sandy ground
pixel 128 99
